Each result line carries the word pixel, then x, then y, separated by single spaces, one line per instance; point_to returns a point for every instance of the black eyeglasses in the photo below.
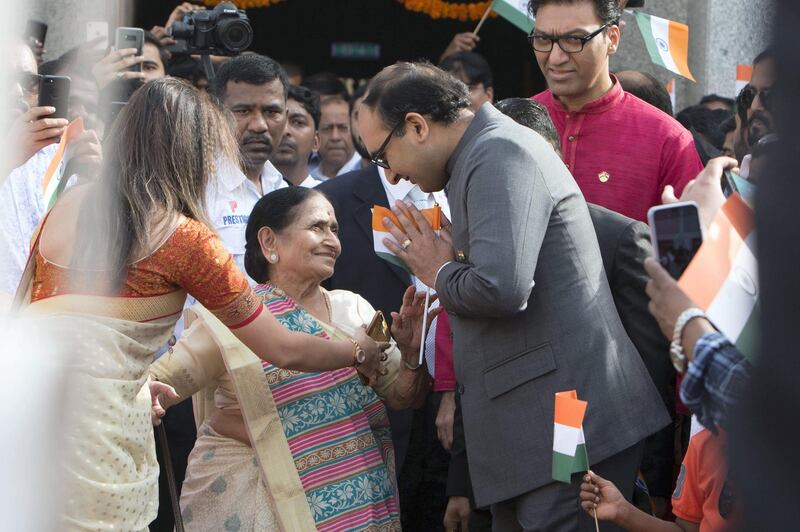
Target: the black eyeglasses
pixel 570 44
pixel 748 95
pixel 378 158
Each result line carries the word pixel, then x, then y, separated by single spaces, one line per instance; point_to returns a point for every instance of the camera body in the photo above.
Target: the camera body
pixel 224 30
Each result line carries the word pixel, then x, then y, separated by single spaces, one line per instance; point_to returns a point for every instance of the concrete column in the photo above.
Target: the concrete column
pixel 722 34
pixel 66 20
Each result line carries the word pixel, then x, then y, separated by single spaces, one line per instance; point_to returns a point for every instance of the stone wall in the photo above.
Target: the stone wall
pixel 67 20
pixel 722 34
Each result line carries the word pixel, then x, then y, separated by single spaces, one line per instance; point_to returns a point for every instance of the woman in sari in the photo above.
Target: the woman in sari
pixel 108 276
pixel 290 450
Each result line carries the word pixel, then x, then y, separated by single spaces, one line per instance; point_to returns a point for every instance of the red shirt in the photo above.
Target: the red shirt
pixel 623 151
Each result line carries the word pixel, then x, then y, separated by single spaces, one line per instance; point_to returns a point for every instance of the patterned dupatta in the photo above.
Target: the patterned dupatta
pixel 337 430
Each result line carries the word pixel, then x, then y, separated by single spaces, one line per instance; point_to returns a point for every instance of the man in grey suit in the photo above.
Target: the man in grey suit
pixel 521 275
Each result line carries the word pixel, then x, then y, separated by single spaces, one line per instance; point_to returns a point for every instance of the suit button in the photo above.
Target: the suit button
pixel 460 389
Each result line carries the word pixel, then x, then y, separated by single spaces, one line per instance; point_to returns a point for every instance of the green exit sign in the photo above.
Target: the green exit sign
pixel 356 50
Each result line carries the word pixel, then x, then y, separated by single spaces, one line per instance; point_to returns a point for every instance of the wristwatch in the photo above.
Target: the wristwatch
pixel 359 355
pixel 675 347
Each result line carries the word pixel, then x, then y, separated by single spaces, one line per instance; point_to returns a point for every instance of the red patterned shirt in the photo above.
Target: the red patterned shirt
pixel 623 151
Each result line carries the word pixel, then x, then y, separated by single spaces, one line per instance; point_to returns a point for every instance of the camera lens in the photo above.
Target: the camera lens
pixel 235 35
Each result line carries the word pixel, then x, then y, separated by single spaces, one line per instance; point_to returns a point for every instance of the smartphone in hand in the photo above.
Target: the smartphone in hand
pixel 676 235
pixel 54 92
pixel 130 38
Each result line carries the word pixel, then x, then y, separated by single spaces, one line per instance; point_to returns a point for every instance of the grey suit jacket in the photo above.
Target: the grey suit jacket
pixel 532 313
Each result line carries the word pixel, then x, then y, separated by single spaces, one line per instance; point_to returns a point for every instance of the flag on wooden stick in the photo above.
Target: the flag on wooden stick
pixel 516 12
pixel 667 43
pixel 569 444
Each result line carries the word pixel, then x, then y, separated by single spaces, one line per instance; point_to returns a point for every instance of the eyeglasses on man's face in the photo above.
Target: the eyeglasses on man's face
pixel 748 95
pixel 379 157
pixel 571 44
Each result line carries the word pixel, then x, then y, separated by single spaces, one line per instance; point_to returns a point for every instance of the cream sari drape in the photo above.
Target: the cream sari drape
pixel 111 468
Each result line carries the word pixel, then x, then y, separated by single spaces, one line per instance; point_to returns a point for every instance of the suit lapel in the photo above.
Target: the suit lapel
pixel 368 192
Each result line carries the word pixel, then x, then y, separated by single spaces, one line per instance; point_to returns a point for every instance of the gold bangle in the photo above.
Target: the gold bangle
pixel 409 366
pixel 356 349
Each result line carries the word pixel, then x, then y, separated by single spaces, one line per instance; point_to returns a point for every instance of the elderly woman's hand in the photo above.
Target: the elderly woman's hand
pixel 407 324
pixel 372 367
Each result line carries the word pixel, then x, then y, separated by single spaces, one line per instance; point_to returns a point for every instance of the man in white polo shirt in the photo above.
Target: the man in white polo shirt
pixel 254 89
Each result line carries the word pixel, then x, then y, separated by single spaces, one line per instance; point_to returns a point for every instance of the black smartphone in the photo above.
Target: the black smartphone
pixel 729 187
pixel 676 235
pixel 54 92
pixel 36 30
pixel 130 38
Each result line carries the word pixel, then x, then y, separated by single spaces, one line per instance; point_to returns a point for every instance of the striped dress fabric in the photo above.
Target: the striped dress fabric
pixel 338 433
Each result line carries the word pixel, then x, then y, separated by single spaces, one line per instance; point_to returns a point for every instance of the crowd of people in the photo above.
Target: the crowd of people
pixel 210 263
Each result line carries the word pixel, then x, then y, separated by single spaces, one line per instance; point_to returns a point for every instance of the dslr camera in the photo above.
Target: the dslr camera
pixel 224 30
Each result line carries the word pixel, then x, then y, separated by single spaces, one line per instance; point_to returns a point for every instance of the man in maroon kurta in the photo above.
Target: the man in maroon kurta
pixel 621 150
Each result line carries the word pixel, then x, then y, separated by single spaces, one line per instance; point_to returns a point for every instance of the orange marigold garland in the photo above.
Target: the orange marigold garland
pixel 436 9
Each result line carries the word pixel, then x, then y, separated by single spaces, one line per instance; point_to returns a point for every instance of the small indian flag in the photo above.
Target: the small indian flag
pixel 667 43
pixel 380 231
pixel 743 75
pixel 673 97
pixel 722 278
pixel 569 445
pixel 53 185
pixel 516 12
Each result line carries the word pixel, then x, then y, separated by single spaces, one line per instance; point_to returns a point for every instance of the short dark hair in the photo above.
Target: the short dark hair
pixel 607 10
pixel 276 210
pixel 358 93
pixel 416 88
pixel 647 88
pixel 705 122
pixel 712 98
pixel 768 53
pixel 327 84
pixel 532 115
pixel 469 65
pixel 163 53
pixel 308 99
pixel 729 125
pixel 251 68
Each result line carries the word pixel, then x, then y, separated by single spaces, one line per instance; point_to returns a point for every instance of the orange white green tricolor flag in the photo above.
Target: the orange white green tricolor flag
pixel 380 231
pixel 516 12
pixel 569 445
pixel 667 43
pixel 722 278
pixel 743 75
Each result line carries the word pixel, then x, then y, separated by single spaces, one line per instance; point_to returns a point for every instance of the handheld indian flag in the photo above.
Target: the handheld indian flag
pixel 569 445
pixel 380 231
pixel 52 188
pixel 516 12
pixel 673 98
pixel 743 75
pixel 722 278
pixel 667 43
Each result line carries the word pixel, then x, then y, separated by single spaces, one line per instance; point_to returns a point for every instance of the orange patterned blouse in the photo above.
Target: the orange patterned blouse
pixel 192 259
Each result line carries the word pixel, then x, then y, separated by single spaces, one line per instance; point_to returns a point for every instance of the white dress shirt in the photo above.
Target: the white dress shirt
pixel 310 182
pixel 410 193
pixel 231 201
pixel 353 164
